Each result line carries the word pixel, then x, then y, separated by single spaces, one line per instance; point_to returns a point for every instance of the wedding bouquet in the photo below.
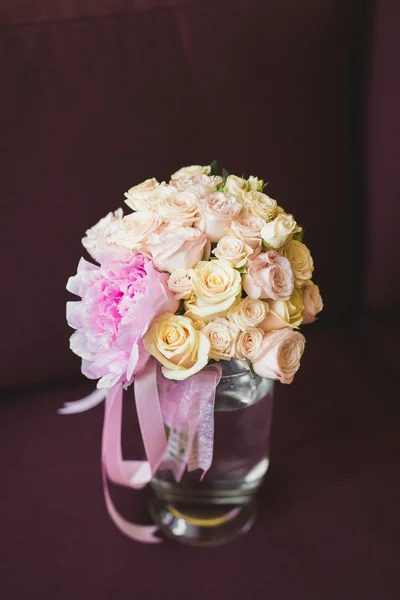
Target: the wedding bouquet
pixel 205 268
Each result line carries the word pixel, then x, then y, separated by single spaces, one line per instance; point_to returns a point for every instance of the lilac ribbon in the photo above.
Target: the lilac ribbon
pixel 188 410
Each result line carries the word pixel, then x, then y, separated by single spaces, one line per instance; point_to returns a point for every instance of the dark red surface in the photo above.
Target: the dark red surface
pixel 96 96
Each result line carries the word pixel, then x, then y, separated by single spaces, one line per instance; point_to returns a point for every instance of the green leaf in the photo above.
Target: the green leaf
pixel 299 236
pixel 265 244
pixel 181 308
pixel 225 174
pixel 241 270
pixel 214 167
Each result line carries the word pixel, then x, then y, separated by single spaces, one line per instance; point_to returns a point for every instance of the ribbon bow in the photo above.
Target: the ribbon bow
pixel 186 407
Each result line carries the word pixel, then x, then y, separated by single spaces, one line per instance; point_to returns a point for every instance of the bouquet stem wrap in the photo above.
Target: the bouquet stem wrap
pixel 186 407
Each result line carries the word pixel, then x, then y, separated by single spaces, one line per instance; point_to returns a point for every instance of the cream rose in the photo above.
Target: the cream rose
pixel 269 275
pixel 312 302
pixel 260 205
pixel 216 214
pixel 249 342
pixel 216 286
pixel 248 313
pixel 222 335
pixel 201 185
pixel 98 240
pixel 301 261
pixel 248 229
pixel 173 248
pixel 254 184
pixel 180 283
pixel 284 314
pixel 279 355
pixel 233 250
pixel 177 345
pixel 181 207
pixel 146 195
pixel 276 232
pixel 235 185
pixel 134 229
pixel 191 171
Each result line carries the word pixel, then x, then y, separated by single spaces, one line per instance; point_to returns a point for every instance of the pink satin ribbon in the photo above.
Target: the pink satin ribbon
pixel 187 408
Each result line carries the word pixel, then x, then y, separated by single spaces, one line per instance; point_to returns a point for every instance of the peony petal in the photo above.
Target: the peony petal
pixel 75 314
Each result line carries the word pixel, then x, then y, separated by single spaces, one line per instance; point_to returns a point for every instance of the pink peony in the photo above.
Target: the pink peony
pixel 119 302
pixel 269 275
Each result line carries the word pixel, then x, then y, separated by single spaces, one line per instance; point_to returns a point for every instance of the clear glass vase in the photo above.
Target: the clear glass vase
pixel 222 505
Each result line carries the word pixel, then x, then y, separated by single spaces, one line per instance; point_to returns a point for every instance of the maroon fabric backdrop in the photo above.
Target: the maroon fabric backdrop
pixel 92 106
pixel 97 96
pixel 382 165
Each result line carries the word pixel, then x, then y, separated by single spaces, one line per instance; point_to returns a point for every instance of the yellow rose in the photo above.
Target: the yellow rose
pixel 284 314
pixel 235 185
pixel 260 205
pixel 191 171
pixel 216 286
pixel 277 232
pixel 254 184
pixel 176 343
pixel 300 260
pixel 146 195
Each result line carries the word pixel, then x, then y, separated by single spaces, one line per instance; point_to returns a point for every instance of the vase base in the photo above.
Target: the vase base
pixel 202 525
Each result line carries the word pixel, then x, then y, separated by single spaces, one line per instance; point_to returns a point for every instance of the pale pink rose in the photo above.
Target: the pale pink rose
pixel 222 335
pixel 146 195
pixel 201 185
pixel 119 302
pixel 248 229
pixel 216 214
pixel 279 355
pixel 249 342
pixel 134 229
pixel 174 247
pixel 248 313
pixel 181 284
pixel 181 208
pixel 269 275
pixel 233 250
pixel 98 240
pixel 312 303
